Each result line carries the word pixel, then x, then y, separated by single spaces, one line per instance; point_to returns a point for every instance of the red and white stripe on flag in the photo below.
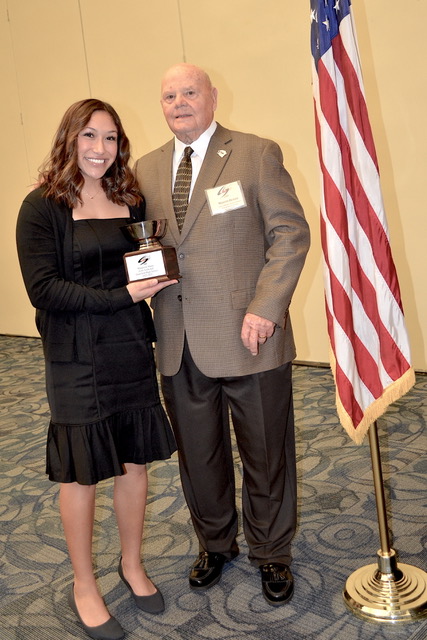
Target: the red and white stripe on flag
pixel 370 354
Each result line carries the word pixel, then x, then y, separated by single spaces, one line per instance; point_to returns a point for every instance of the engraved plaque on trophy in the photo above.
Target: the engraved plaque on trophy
pixel 152 259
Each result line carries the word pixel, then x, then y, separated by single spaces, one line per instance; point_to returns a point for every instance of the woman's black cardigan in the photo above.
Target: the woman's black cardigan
pixel 45 250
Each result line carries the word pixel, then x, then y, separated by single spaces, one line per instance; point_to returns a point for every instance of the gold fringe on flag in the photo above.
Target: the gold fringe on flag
pixel 393 392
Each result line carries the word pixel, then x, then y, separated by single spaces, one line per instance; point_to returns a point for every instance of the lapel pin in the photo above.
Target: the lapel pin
pixel 221 153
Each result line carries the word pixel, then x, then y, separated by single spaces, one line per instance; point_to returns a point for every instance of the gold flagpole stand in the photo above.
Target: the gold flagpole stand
pixel 386 591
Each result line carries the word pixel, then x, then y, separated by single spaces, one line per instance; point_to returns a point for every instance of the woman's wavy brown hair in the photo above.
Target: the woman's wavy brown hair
pixel 60 174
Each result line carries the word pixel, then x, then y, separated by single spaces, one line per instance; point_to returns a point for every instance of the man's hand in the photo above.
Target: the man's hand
pixel 255 331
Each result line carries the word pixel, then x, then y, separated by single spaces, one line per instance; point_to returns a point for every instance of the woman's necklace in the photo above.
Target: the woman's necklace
pixel 94 195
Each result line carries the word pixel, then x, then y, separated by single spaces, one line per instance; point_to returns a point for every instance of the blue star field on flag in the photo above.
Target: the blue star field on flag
pixel 326 16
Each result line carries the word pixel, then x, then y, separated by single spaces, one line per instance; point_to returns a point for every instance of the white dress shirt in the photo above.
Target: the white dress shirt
pixel 199 146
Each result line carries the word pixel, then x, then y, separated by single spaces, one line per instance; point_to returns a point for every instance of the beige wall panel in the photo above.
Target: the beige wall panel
pixel 127 52
pixel 48 70
pixel 16 313
pixel 50 67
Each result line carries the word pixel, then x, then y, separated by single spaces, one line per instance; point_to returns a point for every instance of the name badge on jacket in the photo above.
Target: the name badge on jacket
pixel 227 197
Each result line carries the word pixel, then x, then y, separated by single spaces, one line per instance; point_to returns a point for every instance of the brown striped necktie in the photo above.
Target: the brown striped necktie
pixel 181 189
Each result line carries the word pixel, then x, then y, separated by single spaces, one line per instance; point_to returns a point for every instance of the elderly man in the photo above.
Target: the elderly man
pixel 224 332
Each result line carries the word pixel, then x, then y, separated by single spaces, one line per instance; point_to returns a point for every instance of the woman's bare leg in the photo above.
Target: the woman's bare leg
pixel 77 507
pixel 130 497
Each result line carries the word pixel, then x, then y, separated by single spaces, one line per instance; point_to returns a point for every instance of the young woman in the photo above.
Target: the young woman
pixel 97 333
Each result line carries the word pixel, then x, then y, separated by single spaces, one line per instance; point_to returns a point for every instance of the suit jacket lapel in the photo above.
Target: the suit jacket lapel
pixel 210 172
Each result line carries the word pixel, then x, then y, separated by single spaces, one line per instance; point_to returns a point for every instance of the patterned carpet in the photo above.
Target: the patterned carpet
pixel 337 532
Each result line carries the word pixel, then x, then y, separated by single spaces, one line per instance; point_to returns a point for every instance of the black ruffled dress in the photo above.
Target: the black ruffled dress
pixel 107 411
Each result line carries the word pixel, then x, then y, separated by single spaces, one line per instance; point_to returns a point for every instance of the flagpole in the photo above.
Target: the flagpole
pixel 386 591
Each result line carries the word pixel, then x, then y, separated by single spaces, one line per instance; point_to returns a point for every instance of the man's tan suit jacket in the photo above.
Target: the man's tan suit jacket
pixel 245 260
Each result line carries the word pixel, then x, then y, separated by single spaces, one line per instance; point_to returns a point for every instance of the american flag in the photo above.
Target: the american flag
pixel 369 346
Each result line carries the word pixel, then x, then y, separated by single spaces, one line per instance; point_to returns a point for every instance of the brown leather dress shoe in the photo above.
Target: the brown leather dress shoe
pixel 207 570
pixel 277 583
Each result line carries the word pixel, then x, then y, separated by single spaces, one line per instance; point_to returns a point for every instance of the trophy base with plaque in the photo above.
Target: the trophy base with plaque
pixel 152 259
